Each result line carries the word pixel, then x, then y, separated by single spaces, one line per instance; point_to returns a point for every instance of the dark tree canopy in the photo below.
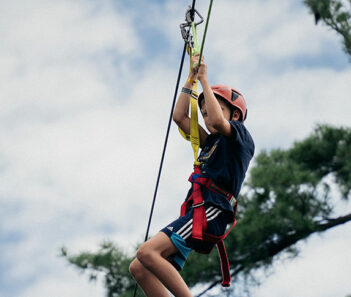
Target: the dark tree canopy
pixel 336 14
pixel 287 198
pixel 109 261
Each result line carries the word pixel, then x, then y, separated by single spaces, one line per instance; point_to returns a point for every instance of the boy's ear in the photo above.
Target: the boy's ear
pixel 236 115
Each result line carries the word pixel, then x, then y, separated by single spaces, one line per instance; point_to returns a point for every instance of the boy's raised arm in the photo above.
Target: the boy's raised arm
pixel 181 110
pixel 213 108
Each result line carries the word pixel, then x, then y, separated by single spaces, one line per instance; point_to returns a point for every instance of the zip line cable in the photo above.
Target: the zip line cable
pixel 167 134
pixel 165 144
pixel 205 32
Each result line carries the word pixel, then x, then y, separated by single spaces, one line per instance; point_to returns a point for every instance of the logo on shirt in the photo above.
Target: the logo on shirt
pixel 207 154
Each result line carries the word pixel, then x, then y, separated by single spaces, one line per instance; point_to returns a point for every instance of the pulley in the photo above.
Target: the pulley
pixel 190 18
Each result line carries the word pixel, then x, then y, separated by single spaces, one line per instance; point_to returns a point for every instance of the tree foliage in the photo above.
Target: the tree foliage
pixel 336 14
pixel 288 198
pixel 111 262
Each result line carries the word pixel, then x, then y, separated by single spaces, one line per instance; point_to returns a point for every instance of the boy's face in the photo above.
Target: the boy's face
pixel 225 111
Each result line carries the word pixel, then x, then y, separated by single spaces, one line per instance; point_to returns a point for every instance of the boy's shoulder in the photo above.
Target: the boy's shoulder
pixel 242 135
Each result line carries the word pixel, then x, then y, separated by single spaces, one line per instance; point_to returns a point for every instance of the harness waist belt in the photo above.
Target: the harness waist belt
pixel 214 188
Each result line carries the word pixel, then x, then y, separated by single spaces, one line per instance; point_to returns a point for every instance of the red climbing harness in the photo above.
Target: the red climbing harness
pixel 199 218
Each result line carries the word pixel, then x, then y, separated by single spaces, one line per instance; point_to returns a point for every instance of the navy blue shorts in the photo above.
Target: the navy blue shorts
pixel 179 231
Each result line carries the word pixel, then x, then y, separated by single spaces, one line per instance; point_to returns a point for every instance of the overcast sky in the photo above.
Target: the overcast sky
pixel 85 93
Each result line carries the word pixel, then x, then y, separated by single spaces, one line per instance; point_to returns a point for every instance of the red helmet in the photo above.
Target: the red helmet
pixel 229 95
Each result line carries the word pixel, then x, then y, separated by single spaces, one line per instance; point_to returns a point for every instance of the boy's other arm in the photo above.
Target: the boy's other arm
pixel 213 108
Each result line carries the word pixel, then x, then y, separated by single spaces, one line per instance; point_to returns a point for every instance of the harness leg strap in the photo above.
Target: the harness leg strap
pixel 195 200
pixel 224 263
pixel 199 216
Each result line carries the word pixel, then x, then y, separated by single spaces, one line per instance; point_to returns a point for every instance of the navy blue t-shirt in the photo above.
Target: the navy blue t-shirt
pixel 226 160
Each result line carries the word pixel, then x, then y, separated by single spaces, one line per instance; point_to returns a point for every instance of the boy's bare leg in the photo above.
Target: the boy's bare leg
pixel 152 255
pixel 147 280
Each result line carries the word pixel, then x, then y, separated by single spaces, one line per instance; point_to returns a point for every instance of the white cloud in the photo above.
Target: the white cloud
pixel 71 284
pixel 322 269
pixel 289 108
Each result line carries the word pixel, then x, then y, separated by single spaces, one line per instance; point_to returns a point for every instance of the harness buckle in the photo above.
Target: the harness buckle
pixel 230 197
pixel 232 200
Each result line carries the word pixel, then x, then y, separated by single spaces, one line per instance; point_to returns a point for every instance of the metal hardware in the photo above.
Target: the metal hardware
pixel 189 18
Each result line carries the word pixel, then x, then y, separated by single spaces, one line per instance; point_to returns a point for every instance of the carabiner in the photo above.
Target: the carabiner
pixel 190 18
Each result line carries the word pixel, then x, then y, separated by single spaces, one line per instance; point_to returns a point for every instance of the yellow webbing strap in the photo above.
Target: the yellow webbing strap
pixel 194 129
pixel 194 137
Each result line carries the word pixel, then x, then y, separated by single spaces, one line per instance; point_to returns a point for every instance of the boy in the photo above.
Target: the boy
pixel 224 159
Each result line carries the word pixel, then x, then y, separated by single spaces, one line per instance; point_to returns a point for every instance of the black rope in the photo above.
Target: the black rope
pixel 166 139
pixel 165 145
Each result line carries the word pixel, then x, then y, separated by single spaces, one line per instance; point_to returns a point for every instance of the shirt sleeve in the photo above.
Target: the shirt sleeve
pixel 242 138
pixel 237 131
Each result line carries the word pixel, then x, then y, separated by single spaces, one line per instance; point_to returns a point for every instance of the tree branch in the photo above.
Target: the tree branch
pixel 275 248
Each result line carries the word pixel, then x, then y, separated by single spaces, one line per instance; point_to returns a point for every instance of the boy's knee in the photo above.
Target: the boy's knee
pixel 135 269
pixel 132 267
pixel 145 255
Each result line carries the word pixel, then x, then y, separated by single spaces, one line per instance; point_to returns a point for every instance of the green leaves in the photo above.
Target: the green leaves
pixel 327 151
pixel 288 199
pixel 109 262
pixel 335 14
